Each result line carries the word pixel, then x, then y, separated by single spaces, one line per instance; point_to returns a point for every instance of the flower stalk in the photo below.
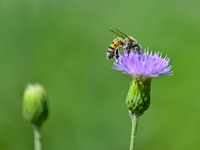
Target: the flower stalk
pixel 134 121
pixel 37 138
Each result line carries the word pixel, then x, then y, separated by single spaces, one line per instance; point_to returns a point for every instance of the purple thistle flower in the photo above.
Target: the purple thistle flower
pixel 145 65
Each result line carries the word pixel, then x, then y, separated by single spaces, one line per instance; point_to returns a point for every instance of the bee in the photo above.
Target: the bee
pixel 127 44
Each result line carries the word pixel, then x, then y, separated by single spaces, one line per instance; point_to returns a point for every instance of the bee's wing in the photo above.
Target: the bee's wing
pixel 118 33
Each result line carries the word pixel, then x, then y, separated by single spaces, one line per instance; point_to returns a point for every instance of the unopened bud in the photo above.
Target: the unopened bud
pixel 35 108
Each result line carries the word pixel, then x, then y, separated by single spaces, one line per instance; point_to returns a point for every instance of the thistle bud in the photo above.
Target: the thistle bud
pixel 138 98
pixel 35 108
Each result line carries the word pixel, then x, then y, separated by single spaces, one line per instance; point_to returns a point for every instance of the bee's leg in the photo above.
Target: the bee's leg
pixel 117 51
pixel 127 49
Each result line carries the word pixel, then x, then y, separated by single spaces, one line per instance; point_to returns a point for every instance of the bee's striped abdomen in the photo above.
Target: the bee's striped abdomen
pixel 111 50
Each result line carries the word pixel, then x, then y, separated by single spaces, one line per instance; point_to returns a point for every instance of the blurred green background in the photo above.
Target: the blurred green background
pixel 62 44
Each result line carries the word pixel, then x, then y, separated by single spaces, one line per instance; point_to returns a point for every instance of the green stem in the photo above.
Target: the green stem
pixel 37 138
pixel 134 119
